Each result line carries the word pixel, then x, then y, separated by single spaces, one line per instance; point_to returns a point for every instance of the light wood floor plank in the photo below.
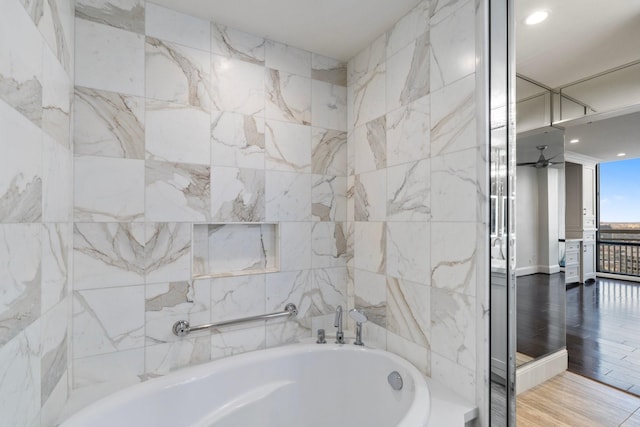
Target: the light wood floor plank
pixel 569 400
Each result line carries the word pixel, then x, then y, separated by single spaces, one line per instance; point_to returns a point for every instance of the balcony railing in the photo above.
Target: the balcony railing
pixel 619 252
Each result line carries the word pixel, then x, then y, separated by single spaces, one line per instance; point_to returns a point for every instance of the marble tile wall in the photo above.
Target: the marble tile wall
pixel 36 211
pixel 414 196
pixel 136 122
pixel 180 121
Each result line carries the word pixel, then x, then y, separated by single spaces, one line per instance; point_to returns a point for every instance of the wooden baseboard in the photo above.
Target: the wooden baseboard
pixel 541 370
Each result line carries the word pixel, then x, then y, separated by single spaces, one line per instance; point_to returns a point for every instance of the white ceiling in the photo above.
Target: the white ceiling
pixel 335 28
pixel 604 139
pixel 580 38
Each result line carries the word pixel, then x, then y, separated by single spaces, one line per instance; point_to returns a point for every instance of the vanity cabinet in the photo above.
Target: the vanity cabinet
pixel 572 260
pixel 588 257
pixel 580 216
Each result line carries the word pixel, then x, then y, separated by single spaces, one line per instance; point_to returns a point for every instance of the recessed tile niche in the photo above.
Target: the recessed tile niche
pixel 221 250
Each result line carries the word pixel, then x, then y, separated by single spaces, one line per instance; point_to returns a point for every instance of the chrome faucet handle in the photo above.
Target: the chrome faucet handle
pixel 360 318
pixel 338 324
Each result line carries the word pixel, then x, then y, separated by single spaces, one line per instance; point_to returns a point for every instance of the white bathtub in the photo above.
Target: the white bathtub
pixel 302 385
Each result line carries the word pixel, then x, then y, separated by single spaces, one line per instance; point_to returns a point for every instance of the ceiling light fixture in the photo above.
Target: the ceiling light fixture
pixel 536 17
pixel 574 141
pixel 622 154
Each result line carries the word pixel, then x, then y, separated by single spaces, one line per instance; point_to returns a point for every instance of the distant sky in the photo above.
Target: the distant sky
pixel 620 191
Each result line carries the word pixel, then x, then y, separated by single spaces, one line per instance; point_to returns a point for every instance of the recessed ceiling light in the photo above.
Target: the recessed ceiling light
pixel 622 154
pixel 536 17
pixel 574 141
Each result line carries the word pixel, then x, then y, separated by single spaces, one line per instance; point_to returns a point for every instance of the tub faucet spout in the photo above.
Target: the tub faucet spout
pixel 338 324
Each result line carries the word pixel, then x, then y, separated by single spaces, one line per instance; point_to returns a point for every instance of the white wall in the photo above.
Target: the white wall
pixel 527 224
pixel 538 220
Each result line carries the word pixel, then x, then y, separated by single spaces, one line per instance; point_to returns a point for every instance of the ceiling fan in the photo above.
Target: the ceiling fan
pixel 542 161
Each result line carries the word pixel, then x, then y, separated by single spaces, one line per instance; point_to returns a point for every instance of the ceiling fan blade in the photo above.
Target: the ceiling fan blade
pixel 527 164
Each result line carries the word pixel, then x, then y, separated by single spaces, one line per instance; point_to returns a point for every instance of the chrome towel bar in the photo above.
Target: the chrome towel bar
pixel 181 328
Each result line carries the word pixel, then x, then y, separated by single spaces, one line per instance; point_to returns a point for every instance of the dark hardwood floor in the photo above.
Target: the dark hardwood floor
pixel 540 314
pixel 602 332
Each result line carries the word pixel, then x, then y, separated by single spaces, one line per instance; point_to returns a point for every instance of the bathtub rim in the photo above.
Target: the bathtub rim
pixel 183 376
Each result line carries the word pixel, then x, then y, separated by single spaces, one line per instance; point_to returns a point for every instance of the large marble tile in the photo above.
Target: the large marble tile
pixel 288 97
pixel 329 198
pixel 371 296
pixel 454 264
pixel 332 284
pixel 408 132
pixel 20 299
pixel 232 43
pixel 236 297
pixel 108 58
pixel 328 152
pixel 162 359
pixel 111 371
pixel 237 140
pixel 237 195
pixel 370 145
pixel 418 355
pixel 177 133
pixel 238 341
pixel 167 252
pixel 453 327
pixel 55 22
pixel 20 168
pixel 370 248
pixel 287 58
pixel 125 14
pixel 366 84
pixel 329 105
pixel 108 254
pixel 177 191
pixel 313 297
pixel 107 189
pixel 57 246
pixel 295 250
pixel 20 74
pixel 288 146
pixel 57 91
pixel 409 28
pixel 453 44
pixel 328 70
pixel 328 245
pixel 237 86
pixel 454 187
pixel 57 182
pixel 108 320
pixel 287 196
pixel 178 74
pixel 369 194
pixel 53 408
pixel 458 378
pixel 108 124
pixel 167 303
pixel 169 25
pixel 54 360
pixel 20 373
pixel 408 246
pixel 408 192
pixel 453 117
pixel 365 64
pixel 408 74
pixel 441 9
pixel 408 310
